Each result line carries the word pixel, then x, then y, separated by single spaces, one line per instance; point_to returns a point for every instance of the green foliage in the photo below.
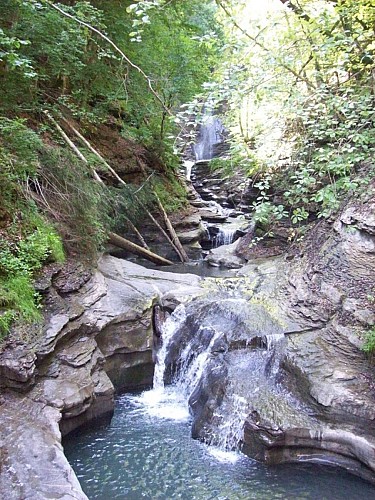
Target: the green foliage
pixel 18 264
pixel 10 57
pixel 369 344
pixel 27 240
pixel 50 61
pixel 171 193
pixel 75 68
pixel 297 80
pixel 78 206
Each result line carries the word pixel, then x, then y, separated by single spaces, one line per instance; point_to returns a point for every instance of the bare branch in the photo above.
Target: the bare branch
pixel 259 44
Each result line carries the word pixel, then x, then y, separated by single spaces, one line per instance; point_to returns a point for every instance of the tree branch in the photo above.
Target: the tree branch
pixel 115 47
pixel 259 44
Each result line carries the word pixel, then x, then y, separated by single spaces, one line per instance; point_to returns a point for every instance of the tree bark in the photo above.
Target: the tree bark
pixel 121 242
pixel 172 232
pixel 172 242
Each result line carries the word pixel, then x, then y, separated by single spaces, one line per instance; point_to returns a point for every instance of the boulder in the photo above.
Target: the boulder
pixel 305 388
pixel 225 256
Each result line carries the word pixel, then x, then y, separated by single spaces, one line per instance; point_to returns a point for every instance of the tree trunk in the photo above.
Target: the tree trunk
pixel 120 242
pixel 121 181
pixel 172 232
pixel 115 239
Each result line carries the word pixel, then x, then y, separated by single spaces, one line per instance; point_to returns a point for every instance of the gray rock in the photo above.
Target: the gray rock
pixel 97 337
pixel 33 464
pixel 225 256
pixel 322 298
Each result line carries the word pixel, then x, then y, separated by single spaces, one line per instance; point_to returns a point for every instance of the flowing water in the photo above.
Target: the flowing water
pixel 225 236
pixel 147 452
pixel 211 133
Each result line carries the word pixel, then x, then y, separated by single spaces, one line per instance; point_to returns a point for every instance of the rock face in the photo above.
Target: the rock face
pixel 225 256
pixel 307 389
pixel 97 339
pixel 230 191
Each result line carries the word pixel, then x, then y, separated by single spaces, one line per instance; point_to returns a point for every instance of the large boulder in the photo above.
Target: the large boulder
pixel 225 256
pixel 306 394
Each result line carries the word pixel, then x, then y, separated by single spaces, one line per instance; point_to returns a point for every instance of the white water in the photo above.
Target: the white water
pixel 192 367
pixel 230 431
pixel 226 428
pixel 169 329
pixel 188 164
pixel 225 236
pixel 146 452
pixel 171 401
pixel 211 132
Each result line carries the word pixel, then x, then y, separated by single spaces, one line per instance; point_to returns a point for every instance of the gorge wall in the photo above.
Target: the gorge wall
pixel 97 340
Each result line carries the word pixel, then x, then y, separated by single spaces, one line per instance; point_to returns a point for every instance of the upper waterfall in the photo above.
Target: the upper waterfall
pixel 210 133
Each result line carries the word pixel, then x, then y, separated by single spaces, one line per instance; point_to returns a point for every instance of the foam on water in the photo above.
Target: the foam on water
pixel 165 403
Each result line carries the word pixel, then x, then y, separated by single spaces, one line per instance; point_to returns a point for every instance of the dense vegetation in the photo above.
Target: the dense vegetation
pixel 295 78
pixel 94 63
pixel 299 86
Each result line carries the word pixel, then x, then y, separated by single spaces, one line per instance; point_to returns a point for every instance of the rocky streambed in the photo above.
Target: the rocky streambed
pixel 98 338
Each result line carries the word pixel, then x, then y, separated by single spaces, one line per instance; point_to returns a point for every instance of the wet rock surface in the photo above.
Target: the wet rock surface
pixel 97 339
pixel 285 338
pixel 307 394
pixel 225 256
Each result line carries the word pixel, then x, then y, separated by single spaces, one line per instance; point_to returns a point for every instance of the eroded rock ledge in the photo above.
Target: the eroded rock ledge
pixel 320 404
pixel 97 339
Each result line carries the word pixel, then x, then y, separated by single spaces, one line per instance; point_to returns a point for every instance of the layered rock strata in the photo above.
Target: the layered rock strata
pixel 97 339
pixel 308 387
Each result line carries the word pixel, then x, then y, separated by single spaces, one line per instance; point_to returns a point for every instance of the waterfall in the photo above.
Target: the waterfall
pixel 169 328
pixel 225 236
pixel 217 342
pixel 210 134
pixel 192 366
pixel 229 431
pixel 188 164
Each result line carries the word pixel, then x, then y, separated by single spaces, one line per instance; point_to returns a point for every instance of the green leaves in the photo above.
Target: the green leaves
pixel 299 92
pixel 10 56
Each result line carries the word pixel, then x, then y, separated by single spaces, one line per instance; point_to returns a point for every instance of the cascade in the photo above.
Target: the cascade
pixel 211 133
pixel 225 236
pixel 169 329
pixel 208 337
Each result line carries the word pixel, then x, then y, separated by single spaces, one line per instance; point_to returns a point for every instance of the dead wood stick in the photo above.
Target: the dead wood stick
pixel 113 172
pixel 115 239
pixel 172 232
pixel 174 237
pixel 121 181
pixel 121 242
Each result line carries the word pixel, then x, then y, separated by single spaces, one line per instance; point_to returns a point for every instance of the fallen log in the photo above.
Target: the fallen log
pixel 121 242
pixel 173 241
pixel 115 239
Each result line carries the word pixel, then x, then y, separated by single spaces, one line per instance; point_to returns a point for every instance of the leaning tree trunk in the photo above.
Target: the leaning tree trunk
pixel 115 239
pixel 120 242
pixel 173 241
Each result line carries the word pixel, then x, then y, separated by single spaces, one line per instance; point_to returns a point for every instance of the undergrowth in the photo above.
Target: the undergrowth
pixel 27 239
pixel 369 344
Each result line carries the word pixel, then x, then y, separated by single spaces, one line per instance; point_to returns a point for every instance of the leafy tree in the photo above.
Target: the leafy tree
pixel 299 87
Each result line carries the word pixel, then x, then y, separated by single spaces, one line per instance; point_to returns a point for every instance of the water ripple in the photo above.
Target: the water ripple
pixel 142 455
